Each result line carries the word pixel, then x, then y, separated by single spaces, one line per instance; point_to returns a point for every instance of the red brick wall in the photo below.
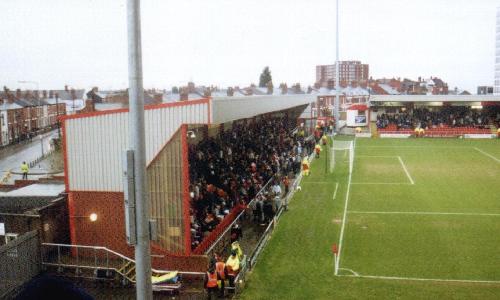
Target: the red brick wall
pixel 109 229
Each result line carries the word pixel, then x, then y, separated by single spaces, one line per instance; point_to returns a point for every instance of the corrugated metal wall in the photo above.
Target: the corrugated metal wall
pixel 166 189
pixel 95 144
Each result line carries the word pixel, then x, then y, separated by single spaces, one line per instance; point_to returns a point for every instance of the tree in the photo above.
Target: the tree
pixel 265 77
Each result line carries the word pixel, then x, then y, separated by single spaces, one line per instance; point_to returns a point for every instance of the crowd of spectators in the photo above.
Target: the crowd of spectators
pixel 450 116
pixel 231 168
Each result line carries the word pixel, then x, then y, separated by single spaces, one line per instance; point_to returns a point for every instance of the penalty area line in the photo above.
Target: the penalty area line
pixel 336 188
pixel 406 170
pixel 423 279
pixel 487 154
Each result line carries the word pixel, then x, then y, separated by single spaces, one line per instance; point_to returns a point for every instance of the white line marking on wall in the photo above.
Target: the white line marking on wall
pixel 422 213
pixel 406 170
pixel 487 154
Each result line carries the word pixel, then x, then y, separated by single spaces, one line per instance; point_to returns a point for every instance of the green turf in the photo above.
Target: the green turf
pixel 450 176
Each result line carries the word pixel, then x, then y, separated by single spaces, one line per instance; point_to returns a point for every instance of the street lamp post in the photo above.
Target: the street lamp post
pixel 41 143
pixel 57 117
pixel 137 145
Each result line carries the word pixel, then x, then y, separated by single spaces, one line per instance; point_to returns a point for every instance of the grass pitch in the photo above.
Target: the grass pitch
pixel 422 222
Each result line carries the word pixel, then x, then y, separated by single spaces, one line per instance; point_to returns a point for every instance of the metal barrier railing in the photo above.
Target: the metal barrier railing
pixel 94 258
pixel 216 244
pixel 270 228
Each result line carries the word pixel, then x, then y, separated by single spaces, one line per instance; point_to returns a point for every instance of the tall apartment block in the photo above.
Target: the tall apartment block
pixel 350 71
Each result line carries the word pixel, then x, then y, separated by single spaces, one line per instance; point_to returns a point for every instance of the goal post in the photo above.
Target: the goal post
pixel 342 154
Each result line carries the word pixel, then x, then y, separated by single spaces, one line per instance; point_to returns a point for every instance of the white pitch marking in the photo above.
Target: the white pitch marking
pixel 406 170
pixel 378 156
pixel 349 270
pixel 430 147
pixel 341 238
pixel 487 154
pixel 422 279
pixel 398 183
pixel 318 182
pixel 336 188
pixel 422 213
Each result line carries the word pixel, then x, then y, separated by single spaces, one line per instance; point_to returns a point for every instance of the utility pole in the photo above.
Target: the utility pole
pixel 136 137
pixel 337 79
pixel 57 118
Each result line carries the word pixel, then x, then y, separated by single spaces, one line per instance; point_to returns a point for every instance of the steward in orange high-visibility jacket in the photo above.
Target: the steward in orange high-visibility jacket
pixel 211 281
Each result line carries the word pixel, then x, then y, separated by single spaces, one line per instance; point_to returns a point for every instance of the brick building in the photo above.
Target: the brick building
pixel 25 113
pixel 350 72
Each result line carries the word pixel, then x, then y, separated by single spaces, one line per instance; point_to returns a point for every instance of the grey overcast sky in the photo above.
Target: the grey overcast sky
pixel 83 43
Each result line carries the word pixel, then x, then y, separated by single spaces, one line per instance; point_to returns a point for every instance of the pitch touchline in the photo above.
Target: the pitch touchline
pixel 422 279
pixel 421 213
pixel 487 154
pixel 341 237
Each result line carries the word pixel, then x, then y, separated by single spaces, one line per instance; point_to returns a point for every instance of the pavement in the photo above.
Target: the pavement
pixel 11 157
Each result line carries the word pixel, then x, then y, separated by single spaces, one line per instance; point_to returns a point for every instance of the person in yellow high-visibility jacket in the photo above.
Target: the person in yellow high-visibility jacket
pixel 417 132
pixel 421 132
pixel 24 170
pixel 236 246
pixel 232 267
pixel 324 139
pixel 317 150
pixel 305 167
pixel 498 133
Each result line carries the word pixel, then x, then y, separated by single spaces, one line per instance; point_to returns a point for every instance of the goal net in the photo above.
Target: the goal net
pixel 342 154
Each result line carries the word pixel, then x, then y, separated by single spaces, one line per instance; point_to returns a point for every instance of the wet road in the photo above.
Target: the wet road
pixel 11 157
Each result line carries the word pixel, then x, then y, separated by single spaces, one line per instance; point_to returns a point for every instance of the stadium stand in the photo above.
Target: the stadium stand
pixel 448 121
pixel 228 170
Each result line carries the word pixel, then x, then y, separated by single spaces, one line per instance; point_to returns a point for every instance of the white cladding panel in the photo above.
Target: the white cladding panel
pixel 225 109
pixel 434 98
pixel 95 145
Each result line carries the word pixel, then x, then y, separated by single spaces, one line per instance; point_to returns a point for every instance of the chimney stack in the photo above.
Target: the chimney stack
pixel 66 88
pixel 284 88
pixel 184 94
pixel 230 91
pixel 18 93
pixel 296 88
pixel 270 88
pixel 207 92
